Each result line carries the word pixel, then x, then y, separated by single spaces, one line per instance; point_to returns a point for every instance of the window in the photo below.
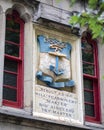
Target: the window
pixel 91 79
pixel 13 63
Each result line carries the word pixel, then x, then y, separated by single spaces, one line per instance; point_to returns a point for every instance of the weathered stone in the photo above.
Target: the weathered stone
pixel 46 60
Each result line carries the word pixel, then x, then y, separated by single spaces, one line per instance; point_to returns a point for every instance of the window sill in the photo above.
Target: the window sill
pixel 94 126
pixel 14 111
pixel 21 113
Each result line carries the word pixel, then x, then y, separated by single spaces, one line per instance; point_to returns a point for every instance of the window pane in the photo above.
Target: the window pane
pixel 12 50
pixel 10 65
pixel 12 36
pixel 87 56
pixel 87 46
pixel 88 84
pixel 88 69
pixel 13 25
pixel 10 79
pixel 89 97
pixel 9 94
pixel 89 110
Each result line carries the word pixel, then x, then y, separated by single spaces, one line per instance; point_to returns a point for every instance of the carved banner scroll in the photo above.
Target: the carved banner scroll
pixel 54 65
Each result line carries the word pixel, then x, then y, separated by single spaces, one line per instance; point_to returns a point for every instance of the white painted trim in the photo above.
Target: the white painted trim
pixel 2 47
pixel 80 89
pixel 101 74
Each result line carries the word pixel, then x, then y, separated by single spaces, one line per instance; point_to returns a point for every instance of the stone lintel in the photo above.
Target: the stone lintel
pixel 52 16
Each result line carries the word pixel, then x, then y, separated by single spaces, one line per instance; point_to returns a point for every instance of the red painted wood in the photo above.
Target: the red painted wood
pixel 88 63
pixel 20 60
pixel 7 86
pixel 12 30
pixel 13 43
pixel 95 80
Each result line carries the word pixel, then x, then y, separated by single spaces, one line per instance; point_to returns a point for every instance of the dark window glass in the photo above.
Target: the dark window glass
pixel 12 36
pixel 89 97
pixel 10 79
pixel 13 25
pixel 88 69
pixel 89 110
pixel 87 56
pixel 87 46
pixel 10 65
pixel 88 84
pixel 9 94
pixel 12 50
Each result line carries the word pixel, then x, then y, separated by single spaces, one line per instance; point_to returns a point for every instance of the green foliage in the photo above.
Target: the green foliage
pixel 92 19
pixel 93 4
pixel 72 2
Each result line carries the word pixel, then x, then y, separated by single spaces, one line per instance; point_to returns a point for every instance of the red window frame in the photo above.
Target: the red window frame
pixel 20 59
pixel 95 80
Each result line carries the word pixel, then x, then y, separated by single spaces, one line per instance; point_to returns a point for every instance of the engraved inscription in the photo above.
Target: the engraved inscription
pixel 54 102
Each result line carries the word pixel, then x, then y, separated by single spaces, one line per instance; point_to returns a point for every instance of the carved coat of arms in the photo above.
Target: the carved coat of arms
pixel 54 65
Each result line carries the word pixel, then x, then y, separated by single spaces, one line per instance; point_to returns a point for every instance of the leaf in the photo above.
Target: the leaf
pixel 83 21
pixel 93 4
pixel 72 2
pixel 102 6
pixel 95 35
pixel 92 18
pixel 84 14
pixel 74 19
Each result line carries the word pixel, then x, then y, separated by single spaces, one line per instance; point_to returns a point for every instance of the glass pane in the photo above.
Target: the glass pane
pixel 12 50
pixel 10 65
pixel 87 56
pixel 9 94
pixel 88 84
pixel 89 110
pixel 12 36
pixel 13 25
pixel 10 79
pixel 88 69
pixel 89 97
pixel 87 46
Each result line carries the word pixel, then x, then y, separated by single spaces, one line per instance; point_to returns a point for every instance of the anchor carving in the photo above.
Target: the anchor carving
pixel 58 55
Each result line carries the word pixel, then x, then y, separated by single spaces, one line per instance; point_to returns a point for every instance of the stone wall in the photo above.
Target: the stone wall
pixel 64 5
pixel 53 16
pixel 8 122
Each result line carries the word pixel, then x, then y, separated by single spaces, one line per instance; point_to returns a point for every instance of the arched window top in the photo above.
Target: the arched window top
pixel 88 41
pixel 22 10
pixel 89 54
pixel 14 16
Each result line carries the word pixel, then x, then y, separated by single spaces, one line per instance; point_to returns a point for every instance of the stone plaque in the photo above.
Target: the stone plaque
pixel 55 104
